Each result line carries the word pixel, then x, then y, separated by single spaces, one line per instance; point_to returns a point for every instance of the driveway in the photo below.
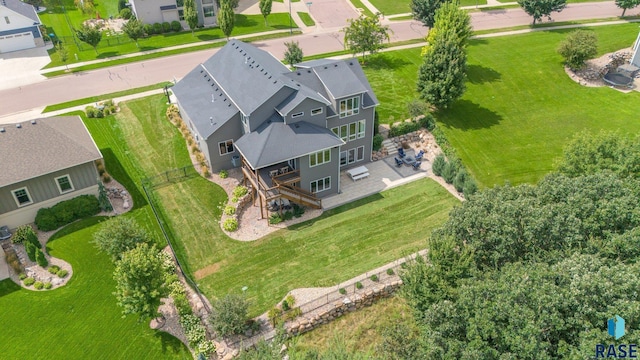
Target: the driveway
pixel 22 67
pixel 330 14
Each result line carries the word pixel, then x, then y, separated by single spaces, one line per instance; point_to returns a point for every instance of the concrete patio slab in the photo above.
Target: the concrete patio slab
pixel 384 174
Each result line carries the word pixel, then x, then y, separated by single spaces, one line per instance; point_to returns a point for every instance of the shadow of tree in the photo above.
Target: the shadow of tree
pixel 115 169
pixel 170 344
pixel 478 74
pixel 7 286
pixel 467 115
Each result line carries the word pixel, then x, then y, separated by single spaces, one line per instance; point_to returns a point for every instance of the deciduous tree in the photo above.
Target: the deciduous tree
pixel 63 53
pixel 627 4
pixel 365 34
pixel 190 14
pixel 229 314
pixel 90 35
pixel 578 47
pixel 226 18
pixel 265 9
pixel 293 54
pixel 449 17
pixel 425 10
pixel 540 8
pixel 118 235
pixel 134 29
pixel 140 280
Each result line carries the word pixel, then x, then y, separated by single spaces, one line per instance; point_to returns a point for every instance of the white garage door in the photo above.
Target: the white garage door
pixel 16 42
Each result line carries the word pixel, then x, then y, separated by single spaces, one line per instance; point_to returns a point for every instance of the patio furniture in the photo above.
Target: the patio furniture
pixel 419 155
pixel 358 173
pixel 273 206
pixel 285 204
pixel 273 173
pixel 401 153
pixel 416 165
pixel 4 233
pixel 399 162
pixel 408 160
pixel 284 169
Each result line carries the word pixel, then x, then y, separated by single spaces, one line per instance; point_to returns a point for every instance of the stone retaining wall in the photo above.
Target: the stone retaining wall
pixel 341 307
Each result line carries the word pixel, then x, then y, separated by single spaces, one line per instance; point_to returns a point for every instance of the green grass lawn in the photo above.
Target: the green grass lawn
pixel 520 108
pixel 390 7
pixel 80 320
pixel 359 5
pixel 306 18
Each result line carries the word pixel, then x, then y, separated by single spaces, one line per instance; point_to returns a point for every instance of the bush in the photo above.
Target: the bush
pixel 196 335
pixel 157 28
pixel 229 315
pixel 376 123
pixel 578 47
pixel 450 171
pixel 374 277
pixel 166 27
pixel 41 259
pixel 240 191
pixel 285 306
pixel 404 127
pixel 273 314
pixel 224 174
pixel 99 113
pixel 275 219
pixel 469 188
pixel 38 285
pixel 439 163
pixel 428 122
pixel 118 235
pixel 298 210
pixel 106 178
pixel 416 108
pixel 359 285
pixel 342 291
pixel 377 142
pixel 25 233
pixel 66 212
pixel 229 210
pixel 231 224
pixel 460 180
pixel 126 13
pixel 176 26
pixel 390 271
pixel 90 111
pixel 22 276
pixel 53 269
pixel 292 314
pixel 148 29
pixel 62 274
pixel 31 251
pixel 29 281
pixel 288 215
pixel 48 285
pixel 290 300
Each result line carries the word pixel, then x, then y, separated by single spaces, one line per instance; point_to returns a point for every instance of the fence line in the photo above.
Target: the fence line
pixel 170 176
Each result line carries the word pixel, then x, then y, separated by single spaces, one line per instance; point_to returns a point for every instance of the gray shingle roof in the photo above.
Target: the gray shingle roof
pixel 195 93
pixel 49 145
pixel 275 142
pixel 339 79
pixel 21 8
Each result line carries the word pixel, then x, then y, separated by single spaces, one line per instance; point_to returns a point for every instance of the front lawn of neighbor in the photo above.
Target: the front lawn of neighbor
pixel 520 107
pixel 80 320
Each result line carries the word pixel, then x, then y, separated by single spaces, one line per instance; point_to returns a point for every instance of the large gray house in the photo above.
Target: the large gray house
pixel 19 26
pixel 290 131
pixel 43 162
pixel 159 11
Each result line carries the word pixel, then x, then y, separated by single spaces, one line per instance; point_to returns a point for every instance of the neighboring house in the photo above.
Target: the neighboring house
pixel 290 131
pixel 43 162
pixel 18 26
pixel 159 11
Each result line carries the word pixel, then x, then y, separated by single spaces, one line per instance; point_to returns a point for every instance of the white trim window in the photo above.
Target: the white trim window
pixel 64 184
pixel 317 111
pixel 319 158
pixel 349 107
pixel 319 185
pixel 296 115
pixel 226 147
pixel 342 132
pixel 353 130
pixel 361 128
pixel 22 197
pixel 352 155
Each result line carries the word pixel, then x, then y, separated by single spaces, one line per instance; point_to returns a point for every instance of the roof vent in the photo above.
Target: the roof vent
pixel 213 98
pixel 2 130
pixel 19 126
pixel 211 119
pixel 33 122
pixel 325 68
pixel 296 125
pixel 246 60
pixel 309 71
pixel 298 73
pixel 350 62
pixel 201 71
pixel 335 65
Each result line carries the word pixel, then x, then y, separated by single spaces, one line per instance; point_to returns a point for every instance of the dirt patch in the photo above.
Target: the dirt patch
pixel 208 270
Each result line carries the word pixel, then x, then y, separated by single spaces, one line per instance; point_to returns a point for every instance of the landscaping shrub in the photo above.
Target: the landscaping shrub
pixel 196 335
pixel 29 281
pixel 376 123
pixel 53 269
pixel 41 259
pixel 449 172
pixel 13 261
pixel 90 111
pixel 106 178
pixel 31 251
pixel 273 314
pixel 100 167
pixel 578 47
pixel 298 210
pixel 126 13
pixel 176 26
pixel 290 300
pixel 275 219
pixel 404 127
pixel 62 274
pixel 106 111
pixel 148 29
pixel 374 277
pixel 22 276
pixel 288 215
pixel 342 291
pixel 118 235
pixel 470 187
pixel 377 142
pixel 229 315
pixel 48 285
pixel 292 314
pixel 390 271
pixel 285 306
pixel 166 27
pixel 460 180
pixel 231 224
pixel 157 28
pixel 229 210
pixel 38 285
pixel 66 212
pixel 428 122
pixel 99 113
pixel 416 108
pixel 25 233
pixel 439 163
pixel 359 285
pixel 224 174
pixel 240 191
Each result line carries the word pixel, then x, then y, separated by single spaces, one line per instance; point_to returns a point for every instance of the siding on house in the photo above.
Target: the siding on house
pixel 309 174
pixel 231 130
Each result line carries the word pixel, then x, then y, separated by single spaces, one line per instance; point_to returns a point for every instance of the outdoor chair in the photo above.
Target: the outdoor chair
pixel 398 162
pixel 416 165
pixel 419 155
pixel 286 205
pixel 401 153
pixel 273 206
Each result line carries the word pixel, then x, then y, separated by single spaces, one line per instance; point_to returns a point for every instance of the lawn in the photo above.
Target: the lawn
pixel 306 18
pixel 520 108
pixel 80 320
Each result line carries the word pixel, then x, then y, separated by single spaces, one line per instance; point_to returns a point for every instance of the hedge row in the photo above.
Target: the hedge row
pixel 66 212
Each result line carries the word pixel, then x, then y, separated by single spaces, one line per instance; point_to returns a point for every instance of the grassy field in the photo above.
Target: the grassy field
pixel 80 320
pixel 306 18
pixel 520 107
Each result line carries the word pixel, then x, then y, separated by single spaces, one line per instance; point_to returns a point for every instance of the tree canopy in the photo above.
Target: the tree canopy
pixel 365 34
pixel 293 54
pixel 90 35
pixel 627 4
pixel 190 14
pixel 226 18
pixel 265 9
pixel 578 47
pixel 118 235
pixel 134 29
pixel 540 8
pixel 229 315
pixel 425 10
